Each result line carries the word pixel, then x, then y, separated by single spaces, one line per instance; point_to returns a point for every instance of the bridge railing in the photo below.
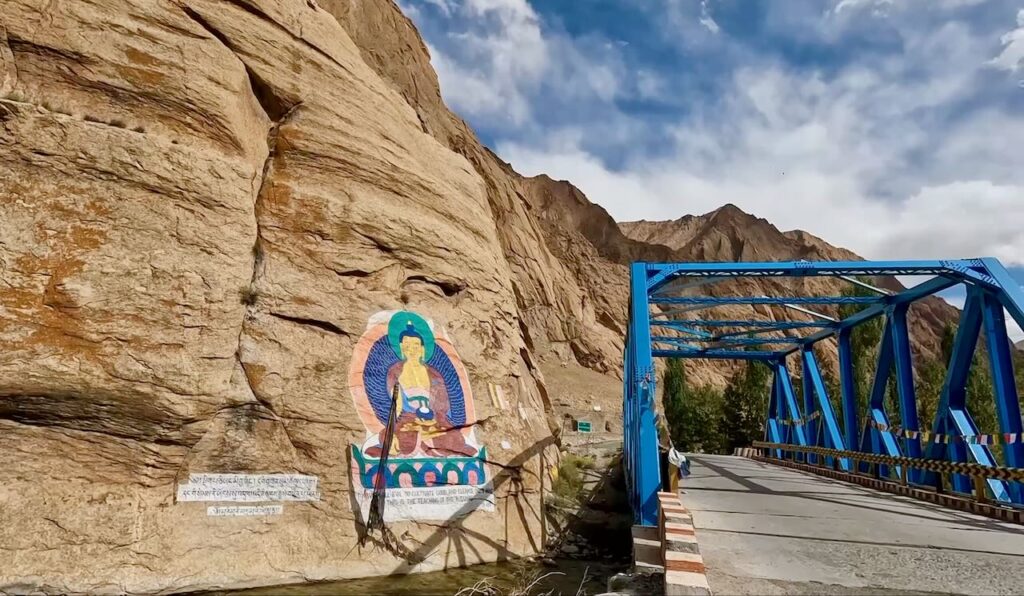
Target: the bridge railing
pixel 876 466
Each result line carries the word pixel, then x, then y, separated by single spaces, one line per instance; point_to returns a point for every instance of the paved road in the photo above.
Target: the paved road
pixel 769 530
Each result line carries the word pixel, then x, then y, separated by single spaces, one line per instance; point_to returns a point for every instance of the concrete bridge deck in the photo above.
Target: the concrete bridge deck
pixel 764 529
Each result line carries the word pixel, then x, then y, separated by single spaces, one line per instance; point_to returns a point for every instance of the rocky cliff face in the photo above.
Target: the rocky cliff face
pixel 202 205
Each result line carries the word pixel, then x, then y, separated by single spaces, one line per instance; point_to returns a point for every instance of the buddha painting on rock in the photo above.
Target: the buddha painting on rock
pixel 430 465
pixel 423 422
pixel 400 352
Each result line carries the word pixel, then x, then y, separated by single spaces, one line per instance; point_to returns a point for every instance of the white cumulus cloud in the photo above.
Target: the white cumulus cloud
pixel 706 19
pixel 501 58
pixel 895 150
pixel 1012 56
pixel 812 154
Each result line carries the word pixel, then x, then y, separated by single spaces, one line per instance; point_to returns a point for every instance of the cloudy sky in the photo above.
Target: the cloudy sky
pixel 894 128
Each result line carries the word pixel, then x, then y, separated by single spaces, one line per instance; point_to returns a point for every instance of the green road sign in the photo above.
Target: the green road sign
pixel 582 426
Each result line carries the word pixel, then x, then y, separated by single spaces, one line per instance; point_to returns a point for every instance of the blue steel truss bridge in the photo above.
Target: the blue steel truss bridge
pixel 836 499
pixel 674 313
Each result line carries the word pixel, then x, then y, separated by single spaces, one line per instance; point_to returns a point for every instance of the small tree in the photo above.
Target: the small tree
pixel 673 398
pixel 744 405
pixel 864 341
pixel 692 414
pixel 703 410
pixel 931 375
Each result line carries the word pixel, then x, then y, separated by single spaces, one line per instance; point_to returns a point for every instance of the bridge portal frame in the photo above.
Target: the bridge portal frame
pixel 989 289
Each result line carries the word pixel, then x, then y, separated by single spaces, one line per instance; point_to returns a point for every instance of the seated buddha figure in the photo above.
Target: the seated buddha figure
pixel 423 426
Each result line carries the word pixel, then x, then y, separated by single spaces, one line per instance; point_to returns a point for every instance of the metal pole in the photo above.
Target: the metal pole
pixel 979 489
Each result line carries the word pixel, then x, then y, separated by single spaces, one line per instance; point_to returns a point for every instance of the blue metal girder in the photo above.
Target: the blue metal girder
pixel 1004 384
pixel 811 426
pixel 683 342
pixel 762 330
pixel 773 432
pixel 848 387
pixel 951 416
pixel 710 301
pixel 754 341
pixel 659 273
pixel 675 286
pixel 694 344
pixel 781 415
pixel 973 271
pixel 675 311
pixel 643 461
pixel 682 328
pixel 717 354
pixel 987 281
pixel 1011 294
pixel 875 440
pixel 794 433
pixel 922 290
pixel 735 341
pixel 900 337
pixel 767 325
pixel 829 427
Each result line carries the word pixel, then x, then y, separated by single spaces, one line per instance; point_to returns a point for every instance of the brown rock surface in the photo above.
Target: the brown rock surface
pixel 567 279
pixel 201 203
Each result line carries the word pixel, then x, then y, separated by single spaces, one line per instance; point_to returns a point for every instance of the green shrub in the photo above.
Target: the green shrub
pixel 569 484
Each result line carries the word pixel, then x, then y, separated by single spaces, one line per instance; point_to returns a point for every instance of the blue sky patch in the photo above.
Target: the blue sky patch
pixel 892 128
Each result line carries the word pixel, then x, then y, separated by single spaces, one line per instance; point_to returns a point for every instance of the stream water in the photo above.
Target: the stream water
pixel 567 577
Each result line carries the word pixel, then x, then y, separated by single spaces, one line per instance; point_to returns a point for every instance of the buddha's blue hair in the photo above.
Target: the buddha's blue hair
pixel 410 331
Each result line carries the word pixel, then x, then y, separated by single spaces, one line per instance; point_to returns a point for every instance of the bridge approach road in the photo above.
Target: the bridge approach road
pixel 764 529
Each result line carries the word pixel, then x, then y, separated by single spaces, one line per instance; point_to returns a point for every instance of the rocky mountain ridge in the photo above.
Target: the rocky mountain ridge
pixel 750 238
pixel 730 234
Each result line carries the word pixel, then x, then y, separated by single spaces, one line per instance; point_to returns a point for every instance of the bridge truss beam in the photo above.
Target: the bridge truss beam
pixel 990 289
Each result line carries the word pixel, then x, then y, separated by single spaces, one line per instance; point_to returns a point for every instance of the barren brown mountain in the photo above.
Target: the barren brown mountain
pixel 203 205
